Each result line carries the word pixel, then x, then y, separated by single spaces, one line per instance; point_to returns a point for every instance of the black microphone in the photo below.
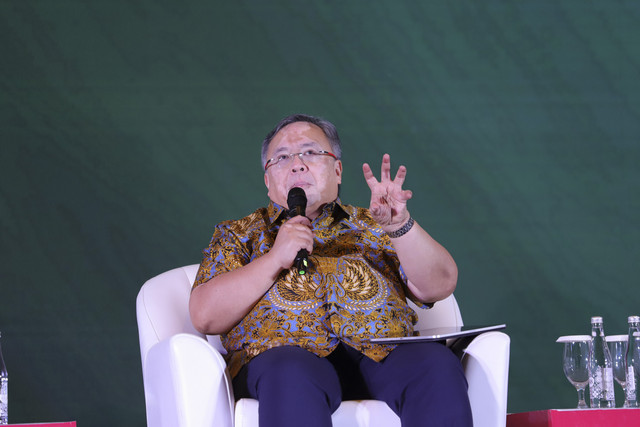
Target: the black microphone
pixel 297 202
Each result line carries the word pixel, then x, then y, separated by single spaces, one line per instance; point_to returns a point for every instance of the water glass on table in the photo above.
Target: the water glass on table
pixel 618 349
pixel 575 363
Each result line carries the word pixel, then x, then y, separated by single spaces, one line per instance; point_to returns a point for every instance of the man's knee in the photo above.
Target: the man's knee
pixel 419 377
pixel 291 370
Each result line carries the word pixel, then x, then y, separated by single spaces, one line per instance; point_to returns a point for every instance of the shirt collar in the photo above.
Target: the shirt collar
pixel 335 209
pixel 276 213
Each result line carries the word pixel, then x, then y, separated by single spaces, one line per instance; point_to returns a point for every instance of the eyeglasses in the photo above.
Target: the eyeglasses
pixel 308 157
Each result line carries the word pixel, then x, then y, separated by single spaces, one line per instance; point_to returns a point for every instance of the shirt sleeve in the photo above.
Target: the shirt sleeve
pixel 225 253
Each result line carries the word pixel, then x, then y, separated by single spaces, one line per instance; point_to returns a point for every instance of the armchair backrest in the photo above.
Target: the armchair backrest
pixel 162 309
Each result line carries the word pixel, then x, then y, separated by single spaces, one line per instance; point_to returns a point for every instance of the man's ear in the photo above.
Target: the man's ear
pixel 338 169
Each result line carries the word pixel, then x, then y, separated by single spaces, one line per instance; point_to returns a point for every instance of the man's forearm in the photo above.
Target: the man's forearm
pixel 430 269
pixel 218 305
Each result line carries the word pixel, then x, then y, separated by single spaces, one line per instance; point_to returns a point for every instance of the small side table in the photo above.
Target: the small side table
pixel 575 417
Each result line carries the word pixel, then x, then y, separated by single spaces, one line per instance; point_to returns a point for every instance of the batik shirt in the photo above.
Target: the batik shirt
pixel 354 289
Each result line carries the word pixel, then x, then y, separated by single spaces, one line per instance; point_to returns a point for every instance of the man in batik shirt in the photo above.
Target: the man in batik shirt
pixel 299 343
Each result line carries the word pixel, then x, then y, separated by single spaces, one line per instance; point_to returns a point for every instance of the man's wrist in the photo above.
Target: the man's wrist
pixel 402 230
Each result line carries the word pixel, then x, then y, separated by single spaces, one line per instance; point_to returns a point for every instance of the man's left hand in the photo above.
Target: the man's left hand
pixel 388 200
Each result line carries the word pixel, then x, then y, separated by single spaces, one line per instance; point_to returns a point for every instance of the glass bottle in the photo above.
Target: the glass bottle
pixel 601 388
pixel 4 391
pixel 632 363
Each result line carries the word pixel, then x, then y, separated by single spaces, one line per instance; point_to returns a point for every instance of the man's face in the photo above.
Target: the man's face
pixel 319 179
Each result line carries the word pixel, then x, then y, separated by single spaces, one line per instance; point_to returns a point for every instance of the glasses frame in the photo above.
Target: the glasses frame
pixel 273 161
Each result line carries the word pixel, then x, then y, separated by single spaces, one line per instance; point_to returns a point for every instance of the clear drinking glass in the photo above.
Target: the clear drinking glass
pixel 575 363
pixel 618 349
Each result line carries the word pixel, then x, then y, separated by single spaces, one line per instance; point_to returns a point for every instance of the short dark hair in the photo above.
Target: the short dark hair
pixel 327 127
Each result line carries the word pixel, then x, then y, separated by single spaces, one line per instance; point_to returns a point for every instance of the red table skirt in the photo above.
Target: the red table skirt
pixel 65 424
pixel 575 417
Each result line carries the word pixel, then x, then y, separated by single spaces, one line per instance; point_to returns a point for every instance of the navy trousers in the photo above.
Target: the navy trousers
pixel 421 382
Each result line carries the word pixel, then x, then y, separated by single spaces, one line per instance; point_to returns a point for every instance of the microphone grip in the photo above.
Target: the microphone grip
pixel 301 262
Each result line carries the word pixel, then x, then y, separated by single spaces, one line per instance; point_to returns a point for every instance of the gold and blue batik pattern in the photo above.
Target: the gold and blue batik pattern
pixel 354 289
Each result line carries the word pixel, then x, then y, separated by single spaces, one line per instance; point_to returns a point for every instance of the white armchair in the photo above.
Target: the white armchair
pixel 186 383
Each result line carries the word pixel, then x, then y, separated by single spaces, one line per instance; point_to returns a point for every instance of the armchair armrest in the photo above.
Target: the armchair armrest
pixel 486 365
pixel 186 384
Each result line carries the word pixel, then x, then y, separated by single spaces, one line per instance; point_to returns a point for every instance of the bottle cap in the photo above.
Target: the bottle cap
pixel 596 319
pixel 634 319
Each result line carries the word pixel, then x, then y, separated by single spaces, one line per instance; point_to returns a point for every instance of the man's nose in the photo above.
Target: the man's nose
pixel 297 164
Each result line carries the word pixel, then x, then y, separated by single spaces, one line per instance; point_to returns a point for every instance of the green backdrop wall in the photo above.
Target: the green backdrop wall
pixel 128 129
